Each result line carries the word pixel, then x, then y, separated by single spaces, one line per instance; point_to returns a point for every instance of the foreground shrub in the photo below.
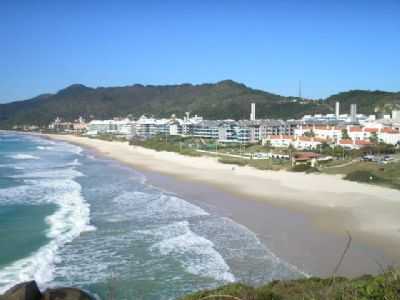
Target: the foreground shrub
pixel 381 287
pixel 304 168
pixel 364 176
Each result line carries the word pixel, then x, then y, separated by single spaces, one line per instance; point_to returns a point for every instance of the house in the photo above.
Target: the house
pixel 353 144
pixel 302 158
pixel 298 142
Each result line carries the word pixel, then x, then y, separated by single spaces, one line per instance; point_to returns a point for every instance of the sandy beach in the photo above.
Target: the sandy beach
pixel 325 205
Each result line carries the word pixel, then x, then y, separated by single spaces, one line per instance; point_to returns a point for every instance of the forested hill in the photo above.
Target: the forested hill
pixel 225 99
pixel 368 102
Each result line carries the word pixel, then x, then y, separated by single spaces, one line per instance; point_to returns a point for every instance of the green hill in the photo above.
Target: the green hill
pixel 225 99
pixel 368 102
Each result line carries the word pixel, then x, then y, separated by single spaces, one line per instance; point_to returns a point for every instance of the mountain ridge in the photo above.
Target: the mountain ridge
pixel 220 100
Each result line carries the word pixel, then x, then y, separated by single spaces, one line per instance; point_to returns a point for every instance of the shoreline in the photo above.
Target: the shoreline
pixel 325 205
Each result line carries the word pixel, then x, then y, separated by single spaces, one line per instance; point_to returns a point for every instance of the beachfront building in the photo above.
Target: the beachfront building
pixel 297 142
pixel 175 128
pixel 304 158
pixel 379 133
pixel 148 127
pixel 145 127
pixel 277 127
pixel 389 136
pixel 373 131
pixel 186 126
pixel 231 132
pixel 320 131
pixel 353 144
pixel 96 127
pixel 124 127
pixel 78 126
pixel 206 129
pixel 243 131
pixel 59 125
pixel 278 141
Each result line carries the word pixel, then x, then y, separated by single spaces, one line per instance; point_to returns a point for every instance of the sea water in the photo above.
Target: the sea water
pixel 70 218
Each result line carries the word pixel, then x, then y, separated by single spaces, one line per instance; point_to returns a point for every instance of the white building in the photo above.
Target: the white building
pixel 299 142
pixel 123 127
pixel 320 131
pixel 383 134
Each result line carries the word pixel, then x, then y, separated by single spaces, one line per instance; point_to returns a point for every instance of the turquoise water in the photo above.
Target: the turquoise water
pixel 70 218
pixel 22 230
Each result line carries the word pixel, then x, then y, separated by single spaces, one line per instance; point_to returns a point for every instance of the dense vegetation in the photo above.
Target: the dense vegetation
pixel 381 287
pixel 368 102
pixel 225 99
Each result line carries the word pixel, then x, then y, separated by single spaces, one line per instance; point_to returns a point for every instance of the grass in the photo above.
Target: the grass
pixel 260 164
pixel 369 172
pixel 159 143
pixel 233 161
pixel 381 287
pixel 269 164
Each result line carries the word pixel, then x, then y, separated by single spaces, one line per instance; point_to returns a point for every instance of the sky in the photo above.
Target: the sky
pixel 331 46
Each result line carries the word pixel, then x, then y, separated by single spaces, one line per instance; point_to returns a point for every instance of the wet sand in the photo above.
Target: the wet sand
pixel 290 234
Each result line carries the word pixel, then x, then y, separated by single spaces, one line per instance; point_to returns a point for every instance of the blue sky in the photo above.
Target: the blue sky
pixel 330 46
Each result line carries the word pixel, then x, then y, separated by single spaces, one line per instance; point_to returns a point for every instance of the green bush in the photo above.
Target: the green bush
pixel 364 176
pixel 232 161
pixel 304 168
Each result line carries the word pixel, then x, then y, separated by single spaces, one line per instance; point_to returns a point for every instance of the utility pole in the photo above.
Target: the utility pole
pixel 300 96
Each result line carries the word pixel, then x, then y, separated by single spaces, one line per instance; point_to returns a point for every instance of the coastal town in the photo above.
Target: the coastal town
pixel 200 150
pixel 346 131
pixel 349 130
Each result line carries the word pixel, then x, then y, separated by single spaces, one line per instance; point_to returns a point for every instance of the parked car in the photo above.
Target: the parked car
pixel 368 158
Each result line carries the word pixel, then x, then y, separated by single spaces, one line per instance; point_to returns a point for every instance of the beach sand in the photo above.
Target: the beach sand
pixel 302 218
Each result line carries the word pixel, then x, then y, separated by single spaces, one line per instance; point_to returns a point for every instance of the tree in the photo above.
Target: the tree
pixel 310 133
pixel 373 138
pixel 345 134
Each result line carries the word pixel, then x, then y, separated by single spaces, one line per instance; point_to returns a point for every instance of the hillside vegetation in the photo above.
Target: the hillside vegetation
pixel 380 287
pixel 225 99
pixel 368 102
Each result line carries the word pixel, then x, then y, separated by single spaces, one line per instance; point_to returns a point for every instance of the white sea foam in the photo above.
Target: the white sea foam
pixel 45 147
pixel 11 166
pixel 71 148
pixel 50 173
pixel 196 254
pixel 74 163
pixel 68 222
pixel 141 205
pixel 23 156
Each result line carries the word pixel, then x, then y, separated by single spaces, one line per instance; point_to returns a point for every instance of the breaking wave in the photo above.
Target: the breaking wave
pixel 23 156
pixel 196 253
pixel 70 219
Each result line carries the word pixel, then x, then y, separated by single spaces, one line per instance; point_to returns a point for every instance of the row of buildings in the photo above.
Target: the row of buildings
pixel 351 131
pixel 226 131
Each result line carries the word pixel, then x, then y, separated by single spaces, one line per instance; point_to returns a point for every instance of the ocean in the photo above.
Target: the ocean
pixel 71 218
